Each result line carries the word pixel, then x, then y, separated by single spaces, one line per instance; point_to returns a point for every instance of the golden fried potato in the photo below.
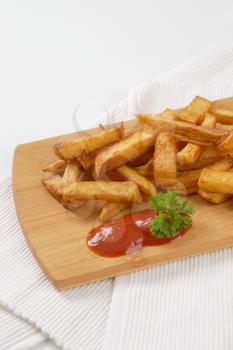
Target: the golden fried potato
pixel 215 198
pixel 193 133
pixel 111 191
pixel 209 156
pixel 191 153
pixel 54 186
pixel 165 157
pixel 189 178
pixel 147 169
pixel 216 181
pixel 227 142
pixel 209 121
pixel 224 126
pixel 168 114
pixel 223 116
pixel 142 159
pixel 144 184
pixel 86 145
pixel 86 161
pixel 194 112
pixel 186 182
pixel 222 165
pixel 55 167
pixel 72 173
pixel 122 152
pixel 110 210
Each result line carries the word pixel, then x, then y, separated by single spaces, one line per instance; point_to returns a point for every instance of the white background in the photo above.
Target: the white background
pixel 57 54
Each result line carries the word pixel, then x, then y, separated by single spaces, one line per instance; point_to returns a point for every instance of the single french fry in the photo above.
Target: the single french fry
pixel 191 153
pixel 189 178
pixel 55 167
pixel 146 169
pixel 124 151
pixel 126 191
pixel 216 181
pixel 222 165
pixel 143 183
pixel 209 156
pixel 193 133
pixel 87 145
pixel 54 186
pixel 110 210
pixel 194 112
pixel 224 126
pixel 86 161
pixel 165 157
pixel 209 121
pixel 223 116
pixel 142 159
pixel 227 142
pixel 215 198
pixel 185 183
pixel 168 114
pixel 72 173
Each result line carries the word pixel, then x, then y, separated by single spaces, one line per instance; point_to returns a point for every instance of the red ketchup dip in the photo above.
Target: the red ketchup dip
pixel 126 235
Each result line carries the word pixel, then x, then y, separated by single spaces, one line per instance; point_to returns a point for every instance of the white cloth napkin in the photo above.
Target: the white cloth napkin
pixel 160 308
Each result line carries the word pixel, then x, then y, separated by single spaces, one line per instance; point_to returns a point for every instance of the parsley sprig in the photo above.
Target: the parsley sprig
pixel 172 214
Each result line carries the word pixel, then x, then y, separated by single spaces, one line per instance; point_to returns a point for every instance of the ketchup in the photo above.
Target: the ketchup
pixel 126 235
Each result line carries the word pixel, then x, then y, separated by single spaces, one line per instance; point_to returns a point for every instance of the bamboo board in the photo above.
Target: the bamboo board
pixel 57 237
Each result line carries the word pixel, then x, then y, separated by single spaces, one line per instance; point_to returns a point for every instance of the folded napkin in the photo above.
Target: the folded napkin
pixel 163 307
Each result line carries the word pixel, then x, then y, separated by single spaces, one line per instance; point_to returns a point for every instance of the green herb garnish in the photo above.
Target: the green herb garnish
pixel 172 214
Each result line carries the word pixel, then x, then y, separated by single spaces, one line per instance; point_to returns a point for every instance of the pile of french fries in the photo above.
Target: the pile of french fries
pixel 188 151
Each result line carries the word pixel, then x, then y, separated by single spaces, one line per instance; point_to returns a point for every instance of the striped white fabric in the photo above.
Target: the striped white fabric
pixel 184 305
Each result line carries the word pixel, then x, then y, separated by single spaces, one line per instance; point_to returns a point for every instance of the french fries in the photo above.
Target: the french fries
pixel 222 165
pixel 168 114
pixel 189 154
pixel 215 198
pixel 72 173
pixel 193 133
pixel 110 210
pixel 195 111
pixel 209 121
pixel 186 182
pixel 216 181
pixel 188 151
pixel 165 157
pixel 122 152
pixel 126 191
pixel 224 126
pixel 147 169
pixel 223 116
pixel 141 160
pixel 54 186
pixel 55 167
pixel 83 146
pixel 86 161
pixel 209 156
pixel 227 143
pixel 143 183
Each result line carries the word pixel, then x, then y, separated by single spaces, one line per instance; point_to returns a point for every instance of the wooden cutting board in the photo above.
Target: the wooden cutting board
pixel 57 237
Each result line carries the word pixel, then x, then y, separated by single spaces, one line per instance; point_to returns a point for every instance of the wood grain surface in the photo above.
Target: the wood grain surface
pixel 57 237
